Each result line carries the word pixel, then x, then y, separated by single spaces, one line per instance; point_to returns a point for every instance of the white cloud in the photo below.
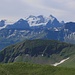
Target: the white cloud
pixel 15 9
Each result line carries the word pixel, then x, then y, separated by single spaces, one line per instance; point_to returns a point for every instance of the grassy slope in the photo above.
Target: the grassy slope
pixel 33 69
pixel 70 63
pixel 32 50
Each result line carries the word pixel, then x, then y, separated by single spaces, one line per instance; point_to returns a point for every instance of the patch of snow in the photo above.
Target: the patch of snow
pixel 23 31
pixel 66 30
pixel 3 27
pixel 73 33
pixel 34 24
pixel 37 20
pixel 56 29
pixel 56 64
pixel 42 55
pixel 15 31
pixel 11 35
pixel 27 54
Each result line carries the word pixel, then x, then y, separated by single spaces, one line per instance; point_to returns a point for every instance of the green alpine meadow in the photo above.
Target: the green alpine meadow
pixel 33 69
pixel 38 57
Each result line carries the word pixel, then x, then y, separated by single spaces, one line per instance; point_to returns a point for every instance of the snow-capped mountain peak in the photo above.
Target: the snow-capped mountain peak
pixel 36 20
pixel 51 18
pixel 39 20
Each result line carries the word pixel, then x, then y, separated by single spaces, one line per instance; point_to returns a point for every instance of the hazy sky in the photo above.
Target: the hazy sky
pixel 16 9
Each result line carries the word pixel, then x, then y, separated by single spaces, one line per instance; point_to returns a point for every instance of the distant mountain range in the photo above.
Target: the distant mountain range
pixel 36 27
pixel 38 20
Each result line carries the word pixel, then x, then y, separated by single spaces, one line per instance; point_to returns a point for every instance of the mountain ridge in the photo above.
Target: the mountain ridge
pixel 45 51
pixel 48 28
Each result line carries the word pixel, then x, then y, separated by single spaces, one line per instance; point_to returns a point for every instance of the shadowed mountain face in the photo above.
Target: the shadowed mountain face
pixel 37 27
pixel 37 51
pixel 70 26
pixel 21 24
pixel 2 23
pixel 53 23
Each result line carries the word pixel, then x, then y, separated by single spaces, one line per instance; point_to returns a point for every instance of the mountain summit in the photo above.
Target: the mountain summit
pixel 2 23
pixel 41 20
pixel 20 24
pixel 36 20
pixel 53 22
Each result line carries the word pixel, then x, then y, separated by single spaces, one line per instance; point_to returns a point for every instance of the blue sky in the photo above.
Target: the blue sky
pixel 16 9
